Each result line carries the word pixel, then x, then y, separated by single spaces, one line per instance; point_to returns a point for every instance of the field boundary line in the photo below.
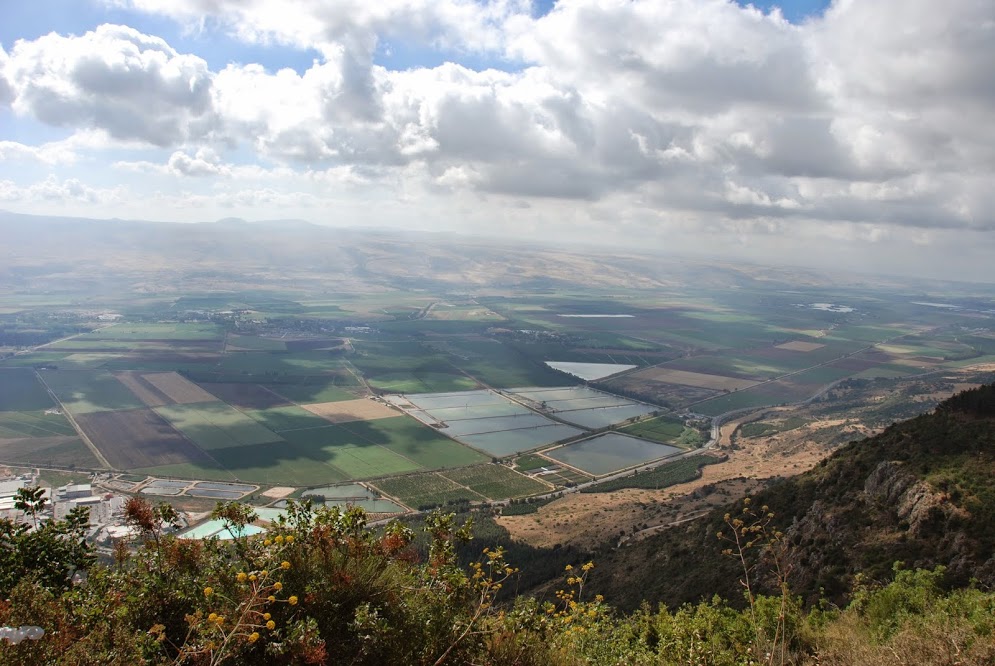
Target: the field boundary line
pixel 72 420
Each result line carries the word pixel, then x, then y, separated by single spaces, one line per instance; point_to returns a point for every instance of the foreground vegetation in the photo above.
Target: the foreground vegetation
pixel 322 588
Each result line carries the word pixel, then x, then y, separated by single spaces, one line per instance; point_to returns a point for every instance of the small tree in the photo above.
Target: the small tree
pixel 49 552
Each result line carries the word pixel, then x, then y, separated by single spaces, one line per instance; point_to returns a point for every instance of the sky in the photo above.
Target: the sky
pixel 848 134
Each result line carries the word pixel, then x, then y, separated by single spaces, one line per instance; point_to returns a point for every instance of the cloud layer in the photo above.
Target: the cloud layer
pixel 667 113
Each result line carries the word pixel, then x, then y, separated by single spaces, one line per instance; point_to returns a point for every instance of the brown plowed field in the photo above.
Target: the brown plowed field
pixel 178 388
pixel 698 379
pixel 246 396
pixel 138 438
pixel 351 410
pixel 145 391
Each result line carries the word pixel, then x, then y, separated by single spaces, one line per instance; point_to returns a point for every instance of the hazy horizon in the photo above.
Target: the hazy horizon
pixel 837 135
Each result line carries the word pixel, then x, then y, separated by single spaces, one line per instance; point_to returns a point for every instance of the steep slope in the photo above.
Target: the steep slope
pixel 922 492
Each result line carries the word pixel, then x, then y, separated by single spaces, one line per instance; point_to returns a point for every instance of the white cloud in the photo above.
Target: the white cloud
pixel 206 162
pixel 6 89
pixel 647 113
pixel 131 85
pixel 52 190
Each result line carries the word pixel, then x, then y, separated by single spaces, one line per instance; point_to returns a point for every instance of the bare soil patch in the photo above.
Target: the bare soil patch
pixel 800 346
pixel 143 390
pixel 343 411
pixel 138 438
pixel 278 492
pixel 178 388
pixel 696 379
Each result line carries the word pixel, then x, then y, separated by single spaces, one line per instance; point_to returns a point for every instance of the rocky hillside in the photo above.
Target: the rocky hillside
pixel 922 493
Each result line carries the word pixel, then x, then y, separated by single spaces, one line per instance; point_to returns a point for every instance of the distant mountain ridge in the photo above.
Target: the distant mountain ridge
pixel 164 256
pixel 922 492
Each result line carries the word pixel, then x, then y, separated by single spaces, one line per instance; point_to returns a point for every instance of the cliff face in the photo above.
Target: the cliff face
pixel 922 492
pixel 915 503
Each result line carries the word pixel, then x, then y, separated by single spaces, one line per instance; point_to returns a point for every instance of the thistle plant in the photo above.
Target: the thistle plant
pixel 752 537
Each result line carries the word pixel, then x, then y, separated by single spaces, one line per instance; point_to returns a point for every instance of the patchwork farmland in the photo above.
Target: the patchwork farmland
pixel 419 398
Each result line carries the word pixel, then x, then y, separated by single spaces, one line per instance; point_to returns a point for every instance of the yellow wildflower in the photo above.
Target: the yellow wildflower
pixel 285 565
pixel 208 591
pixel 242 577
pixel 271 625
pixel 254 636
pixel 290 538
pixel 277 586
pixel 292 601
pixel 266 616
pixel 279 538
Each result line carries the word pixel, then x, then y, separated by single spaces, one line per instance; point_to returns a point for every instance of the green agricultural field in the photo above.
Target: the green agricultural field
pixel 134 346
pixel 500 365
pixel 34 424
pixel 870 334
pixel 421 491
pixel 286 417
pixel 92 361
pixel 33 360
pixel 52 479
pixel 816 377
pixel 664 429
pixel 60 451
pixel 496 481
pixel 203 471
pixel 990 358
pixel 178 331
pixel 20 391
pixel 275 364
pixel 307 394
pixel 418 381
pixel 358 456
pixel 414 441
pixel 364 462
pixel 261 463
pixel 86 391
pixel 531 461
pixel 740 400
pixel 795 388
pixel 670 474
pixel 254 343
pixel 216 425
pixel 407 367
pixel 382 446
